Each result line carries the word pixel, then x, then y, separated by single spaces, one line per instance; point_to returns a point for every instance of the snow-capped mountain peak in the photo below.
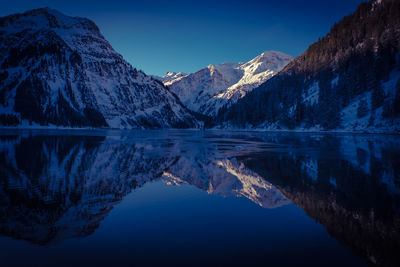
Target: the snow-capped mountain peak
pixel 47 18
pixel 267 61
pixel 209 89
pixel 60 70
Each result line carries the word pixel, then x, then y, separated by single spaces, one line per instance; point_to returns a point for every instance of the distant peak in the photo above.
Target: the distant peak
pixel 268 52
pixel 46 9
pixel 274 53
pixel 170 76
pixel 46 17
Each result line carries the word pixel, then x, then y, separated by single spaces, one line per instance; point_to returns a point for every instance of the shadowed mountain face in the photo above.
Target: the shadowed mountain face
pixel 54 187
pixel 60 70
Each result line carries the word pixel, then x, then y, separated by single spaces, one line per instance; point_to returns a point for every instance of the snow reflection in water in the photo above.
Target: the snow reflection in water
pixel 61 184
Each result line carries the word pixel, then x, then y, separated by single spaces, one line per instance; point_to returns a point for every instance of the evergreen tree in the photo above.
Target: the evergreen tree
pixel 361 51
pixel 9 120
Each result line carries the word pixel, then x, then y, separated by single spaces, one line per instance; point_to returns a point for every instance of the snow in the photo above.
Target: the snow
pixel 311 96
pixel 171 77
pixel 379 124
pixel 207 90
pixel 349 114
pixel 372 122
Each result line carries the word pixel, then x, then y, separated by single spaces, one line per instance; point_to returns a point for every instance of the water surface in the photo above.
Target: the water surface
pixel 141 198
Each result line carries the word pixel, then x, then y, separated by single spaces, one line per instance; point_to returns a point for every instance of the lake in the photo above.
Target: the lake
pixel 198 198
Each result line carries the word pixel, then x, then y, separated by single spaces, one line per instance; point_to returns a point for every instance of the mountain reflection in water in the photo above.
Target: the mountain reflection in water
pixel 55 185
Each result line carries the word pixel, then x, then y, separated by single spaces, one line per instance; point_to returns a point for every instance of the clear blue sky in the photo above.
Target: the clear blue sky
pixel 161 36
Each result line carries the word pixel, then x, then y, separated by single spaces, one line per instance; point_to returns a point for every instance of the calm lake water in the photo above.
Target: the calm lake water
pixel 205 198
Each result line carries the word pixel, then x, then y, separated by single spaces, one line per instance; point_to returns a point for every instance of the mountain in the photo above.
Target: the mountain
pixel 207 90
pixel 348 80
pixel 171 77
pixel 59 70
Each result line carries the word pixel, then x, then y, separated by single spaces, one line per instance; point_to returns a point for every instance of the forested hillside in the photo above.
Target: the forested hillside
pixel 348 80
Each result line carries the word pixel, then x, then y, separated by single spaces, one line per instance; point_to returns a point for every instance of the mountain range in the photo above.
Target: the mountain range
pixel 210 88
pixel 57 70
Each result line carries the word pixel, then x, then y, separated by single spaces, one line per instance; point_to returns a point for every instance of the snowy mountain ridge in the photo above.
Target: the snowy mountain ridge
pixel 209 89
pixel 171 77
pixel 59 70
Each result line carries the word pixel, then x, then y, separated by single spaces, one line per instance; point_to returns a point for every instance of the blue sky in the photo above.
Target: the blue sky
pixel 160 36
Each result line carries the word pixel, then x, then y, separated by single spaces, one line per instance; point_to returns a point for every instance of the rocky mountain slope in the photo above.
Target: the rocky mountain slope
pixel 348 80
pixel 207 90
pixel 59 70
